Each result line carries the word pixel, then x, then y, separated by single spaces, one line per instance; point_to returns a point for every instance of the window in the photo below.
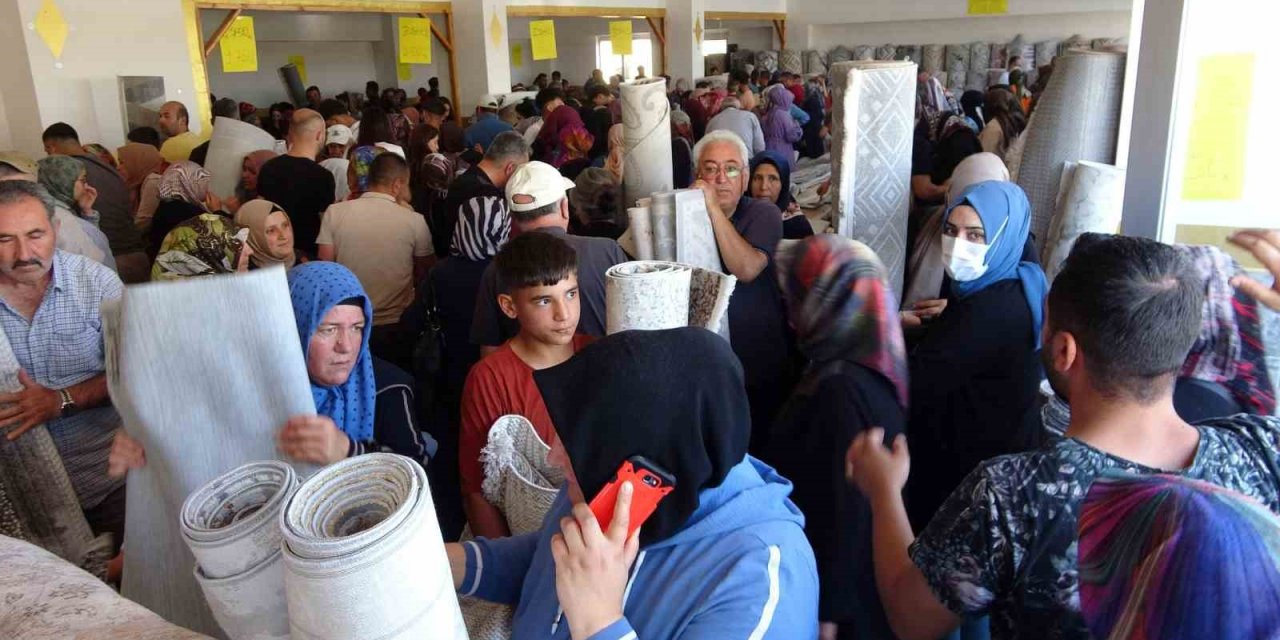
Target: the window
pixel 714 47
pixel 626 66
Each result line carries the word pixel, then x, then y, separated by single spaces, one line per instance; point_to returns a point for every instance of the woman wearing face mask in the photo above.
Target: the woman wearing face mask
pixel 975 373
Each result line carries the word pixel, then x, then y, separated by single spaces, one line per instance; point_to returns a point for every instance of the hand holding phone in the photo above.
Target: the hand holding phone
pixel 650 483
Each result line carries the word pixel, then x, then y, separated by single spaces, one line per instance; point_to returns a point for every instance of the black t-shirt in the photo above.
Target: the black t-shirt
pixel 598 121
pixel 473 189
pixel 200 153
pixel 975 379
pixel 831 405
pixel 456 282
pixel 304 190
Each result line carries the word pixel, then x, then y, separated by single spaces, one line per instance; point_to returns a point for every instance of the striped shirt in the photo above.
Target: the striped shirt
pixel 62 346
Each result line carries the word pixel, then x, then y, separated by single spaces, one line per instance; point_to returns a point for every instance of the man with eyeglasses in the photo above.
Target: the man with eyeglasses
pixel 747 232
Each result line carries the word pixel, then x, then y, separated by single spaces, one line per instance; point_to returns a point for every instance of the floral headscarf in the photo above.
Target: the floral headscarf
pixel 842 306
pixel 362 163
pixel 576 142
pixel 437 172
pixel 185 181
pixel 205 245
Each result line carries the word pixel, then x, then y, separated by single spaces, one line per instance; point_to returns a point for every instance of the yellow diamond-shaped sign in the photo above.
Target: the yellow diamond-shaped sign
pixel 495 30
pixel 51 27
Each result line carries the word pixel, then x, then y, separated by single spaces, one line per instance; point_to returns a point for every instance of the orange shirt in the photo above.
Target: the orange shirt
pixel 500 384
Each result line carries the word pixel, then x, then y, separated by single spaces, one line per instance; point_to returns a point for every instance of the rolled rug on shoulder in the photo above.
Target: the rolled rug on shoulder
pixel 647 295
pixel 232 526
pixel 364 557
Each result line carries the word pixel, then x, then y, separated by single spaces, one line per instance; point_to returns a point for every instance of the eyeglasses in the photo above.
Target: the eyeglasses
pixel 710 169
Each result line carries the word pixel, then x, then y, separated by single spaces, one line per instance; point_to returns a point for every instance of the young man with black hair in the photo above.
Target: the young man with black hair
pixel 537 197
pixel 537 277
pixel 313 97
pixel 1120 319
pixel 388 247
pixel 598 119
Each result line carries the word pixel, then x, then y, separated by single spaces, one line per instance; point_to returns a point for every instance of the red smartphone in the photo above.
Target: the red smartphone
pixel 650 483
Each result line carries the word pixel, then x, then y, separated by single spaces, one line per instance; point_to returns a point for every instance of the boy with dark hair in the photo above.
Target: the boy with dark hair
pixel 537 277
pixel 1120 319
pixel 598 119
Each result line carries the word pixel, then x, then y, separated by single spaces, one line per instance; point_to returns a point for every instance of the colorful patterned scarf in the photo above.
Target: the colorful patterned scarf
pixel 842 307
pixel 1229 349
pixel 185 181
pixel 362 163
pixel 1163 556
pixel 205 245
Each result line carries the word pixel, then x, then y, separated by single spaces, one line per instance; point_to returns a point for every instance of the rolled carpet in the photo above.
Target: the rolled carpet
pixel 864 52
pixel 886 52
pixel 232 526
pixel 839 54
pixel 815 63
pixel 767 60
pixel 1091 200
pixel 1077 118
pixel 791 61
pixel 363 555
pixel 873 113
pixel 646 126
pixel 933 58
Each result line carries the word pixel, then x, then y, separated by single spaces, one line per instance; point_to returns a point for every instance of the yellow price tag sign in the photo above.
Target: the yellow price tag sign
pixel 988 7
pixel 239 47
pixel 543 33
pixel 620 37
pixel 1219 128
pixel 415 41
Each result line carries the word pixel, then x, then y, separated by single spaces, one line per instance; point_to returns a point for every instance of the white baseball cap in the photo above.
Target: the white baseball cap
pixel 536 184
pixel 338 134
pixel 489 101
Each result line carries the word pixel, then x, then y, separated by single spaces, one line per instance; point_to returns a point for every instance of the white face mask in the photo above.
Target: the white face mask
pixel 962 259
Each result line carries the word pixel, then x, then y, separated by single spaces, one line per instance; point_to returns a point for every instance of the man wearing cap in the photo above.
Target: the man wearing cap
pixel 387 246
pixel 15 165
pixel 537 196
pixel 337 140
pixel 487 124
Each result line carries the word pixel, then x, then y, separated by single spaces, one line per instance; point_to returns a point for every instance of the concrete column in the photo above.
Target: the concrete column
pixel 484 60
pixel 685 27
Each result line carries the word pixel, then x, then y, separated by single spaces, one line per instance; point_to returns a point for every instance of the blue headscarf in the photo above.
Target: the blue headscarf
pixel 315 288
pixel 1006 217
pixel 783 165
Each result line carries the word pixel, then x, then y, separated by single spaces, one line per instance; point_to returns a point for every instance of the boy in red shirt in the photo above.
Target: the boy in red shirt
pixel 538 280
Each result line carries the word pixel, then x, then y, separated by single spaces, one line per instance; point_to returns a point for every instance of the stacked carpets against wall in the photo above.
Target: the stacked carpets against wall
pixel 838 55
pixel 864 52
pixel 873 115
pixel 1077 118
pixel 790 61
pixel 741 59
pixel 910 52
pixel 886 52
pixel 957 67
pixel 814 62
pixel 767 60
pixel 933 57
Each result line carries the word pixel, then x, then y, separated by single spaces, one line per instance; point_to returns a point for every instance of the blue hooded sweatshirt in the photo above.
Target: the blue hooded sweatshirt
pixel 741 567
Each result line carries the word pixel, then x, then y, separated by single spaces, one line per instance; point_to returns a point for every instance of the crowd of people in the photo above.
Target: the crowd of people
pixel 444 276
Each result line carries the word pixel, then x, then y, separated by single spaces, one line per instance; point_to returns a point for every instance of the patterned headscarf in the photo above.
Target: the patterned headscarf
pixel 253 214
pixel 362 162
pixel 482 228
pixel 205 245
pixel 842 307
pixel 1165 557
pixel 185 181
pixel 315 288
pixel 1229 349
pixel 58 175
pixel 576 142
pixel 1006 217
pixel 438 172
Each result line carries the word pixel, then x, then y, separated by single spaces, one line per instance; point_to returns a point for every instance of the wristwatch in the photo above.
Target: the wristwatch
pixel 68 404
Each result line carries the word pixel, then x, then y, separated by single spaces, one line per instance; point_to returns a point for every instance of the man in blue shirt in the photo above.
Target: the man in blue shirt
pixel 487 125
pixel 50 312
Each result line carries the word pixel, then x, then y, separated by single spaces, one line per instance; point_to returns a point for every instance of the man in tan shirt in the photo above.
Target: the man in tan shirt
pixel 388 246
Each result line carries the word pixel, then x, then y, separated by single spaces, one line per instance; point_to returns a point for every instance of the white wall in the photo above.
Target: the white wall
pixel 342 52
pixel 1099 24
pixel 752 35
pixel 107 39
pixel 862 11
pixel 575 47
